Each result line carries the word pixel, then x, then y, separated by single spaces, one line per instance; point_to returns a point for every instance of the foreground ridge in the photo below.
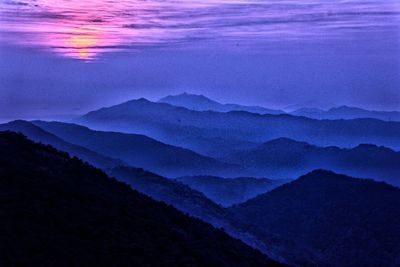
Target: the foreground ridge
pixel 57 210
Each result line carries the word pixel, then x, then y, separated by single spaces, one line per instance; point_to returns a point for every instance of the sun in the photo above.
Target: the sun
pixel 83 42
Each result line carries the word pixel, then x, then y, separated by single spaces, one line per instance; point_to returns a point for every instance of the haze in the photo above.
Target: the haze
pixel 59 58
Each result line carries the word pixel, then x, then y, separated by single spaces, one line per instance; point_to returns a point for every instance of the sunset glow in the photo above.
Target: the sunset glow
pixel 86 29
pixel 83 41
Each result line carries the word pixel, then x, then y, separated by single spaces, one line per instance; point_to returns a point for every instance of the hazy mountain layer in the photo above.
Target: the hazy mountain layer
pixel 228 192
pixel 203 103
pixel 345 112
pixel 141 151
pixel 221 133
pixel 285 158
pixel 37 134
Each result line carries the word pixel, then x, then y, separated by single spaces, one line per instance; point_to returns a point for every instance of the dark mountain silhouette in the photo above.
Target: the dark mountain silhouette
pixel 284 157
pixel 326 219
pixel 160 188
pixel 203 103
pixel 185 199
pixel 57 210
pixel 346 112
pixel 177 194
pixel 141 151
pixel 183 127
pixel 228 192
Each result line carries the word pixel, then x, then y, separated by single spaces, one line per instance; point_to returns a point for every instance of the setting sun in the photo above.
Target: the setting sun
pixel 83 42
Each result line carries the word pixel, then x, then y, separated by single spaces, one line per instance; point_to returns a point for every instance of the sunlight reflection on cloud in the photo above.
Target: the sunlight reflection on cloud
pixel 85 29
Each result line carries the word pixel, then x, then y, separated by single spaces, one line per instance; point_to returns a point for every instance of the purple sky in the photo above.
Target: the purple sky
pixel 67 57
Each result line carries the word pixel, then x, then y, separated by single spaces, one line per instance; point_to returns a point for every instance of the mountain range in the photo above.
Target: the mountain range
pixel 57 210
pixel 346 113
pixel 286 158
pixel 172 192
pixel 322 218
pixel 208 161
pixel 217 134
pixel 39 135
pixel 133 149
pixel 203 103
pixel 281 158
pixel 181 196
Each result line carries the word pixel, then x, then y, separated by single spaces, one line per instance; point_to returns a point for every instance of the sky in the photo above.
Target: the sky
pixel 60 58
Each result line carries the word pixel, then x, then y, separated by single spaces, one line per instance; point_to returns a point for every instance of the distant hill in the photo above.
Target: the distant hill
pixel 141 151
pixel 217 134
pixel 228 192
pixel 326 219
pixel 203 103
pixel 346 112
pixel 56 210
pixel 286 158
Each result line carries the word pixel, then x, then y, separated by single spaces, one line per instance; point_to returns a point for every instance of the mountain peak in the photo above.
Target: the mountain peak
pixel 186 98
pixel 140 100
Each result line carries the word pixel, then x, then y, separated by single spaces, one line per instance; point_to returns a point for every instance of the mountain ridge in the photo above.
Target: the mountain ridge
pixel 140 151
pixel 347 112
pixel 215 133
pixel 287 158
pixel 203 103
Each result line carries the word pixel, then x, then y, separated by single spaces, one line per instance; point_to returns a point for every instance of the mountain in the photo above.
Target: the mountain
pixel 217 134
pixel 346 112
pixel 326 219
pixel 187 200
pixel 141 151
pixel 177 194
pixel 57 210
pixel 203 103
pixel 228 192
pixel 157 187
pixel 37 134
pixel 282 158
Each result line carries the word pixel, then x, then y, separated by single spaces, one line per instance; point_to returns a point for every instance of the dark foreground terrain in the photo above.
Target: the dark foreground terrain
pixel 327 219
pixel 59 211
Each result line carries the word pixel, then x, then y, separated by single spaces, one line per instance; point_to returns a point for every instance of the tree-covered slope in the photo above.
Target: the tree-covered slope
pixel 58 211
pixel 326 219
